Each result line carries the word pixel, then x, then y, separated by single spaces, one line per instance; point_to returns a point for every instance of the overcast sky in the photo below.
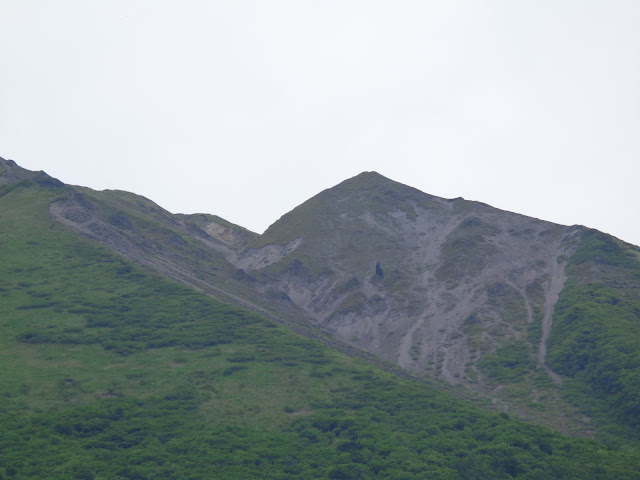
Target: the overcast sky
pixel 246 109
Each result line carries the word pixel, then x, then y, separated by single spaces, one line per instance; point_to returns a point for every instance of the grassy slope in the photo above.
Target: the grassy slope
pixel 110 372
pixel 157 235
pixel 132 205
pixel 596 332
pixel 594 344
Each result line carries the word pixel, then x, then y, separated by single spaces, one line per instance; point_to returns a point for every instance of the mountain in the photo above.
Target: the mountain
pixel 425 282
pixel 467 293
pixel 118 363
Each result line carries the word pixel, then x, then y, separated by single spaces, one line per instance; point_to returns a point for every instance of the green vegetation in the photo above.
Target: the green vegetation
pixel 110 372
pixel 596 330
pixel 593 343
pixel 511 360
pixel 510 363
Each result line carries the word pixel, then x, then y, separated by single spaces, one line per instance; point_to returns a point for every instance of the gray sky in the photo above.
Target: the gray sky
pixel 246 109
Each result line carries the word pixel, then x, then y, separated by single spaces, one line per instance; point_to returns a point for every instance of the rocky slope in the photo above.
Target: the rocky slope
pixel 428 283
pixel 451 289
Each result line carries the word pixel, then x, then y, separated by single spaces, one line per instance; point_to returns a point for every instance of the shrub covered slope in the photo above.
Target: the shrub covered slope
pixel 595 341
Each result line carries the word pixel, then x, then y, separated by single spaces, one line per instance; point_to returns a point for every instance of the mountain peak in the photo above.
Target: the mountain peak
pixel 365 190
pixel 371 174
pixel 367 180
pixel 368 197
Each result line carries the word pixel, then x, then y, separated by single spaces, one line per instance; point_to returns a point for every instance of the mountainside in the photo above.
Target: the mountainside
pixel 541 320
pixel 111 371
pixel 425 282
pixel 468 293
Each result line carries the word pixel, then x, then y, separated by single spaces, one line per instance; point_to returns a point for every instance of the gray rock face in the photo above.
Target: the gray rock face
pixel 427 283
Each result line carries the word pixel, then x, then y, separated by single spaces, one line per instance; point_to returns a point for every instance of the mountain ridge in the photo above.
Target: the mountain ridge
pixel 446 288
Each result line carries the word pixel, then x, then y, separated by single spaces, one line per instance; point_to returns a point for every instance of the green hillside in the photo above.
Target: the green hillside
pixel 110 372
pixel 595 340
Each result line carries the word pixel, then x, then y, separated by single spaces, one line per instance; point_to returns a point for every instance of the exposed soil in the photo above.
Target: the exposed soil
pixel 558 278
